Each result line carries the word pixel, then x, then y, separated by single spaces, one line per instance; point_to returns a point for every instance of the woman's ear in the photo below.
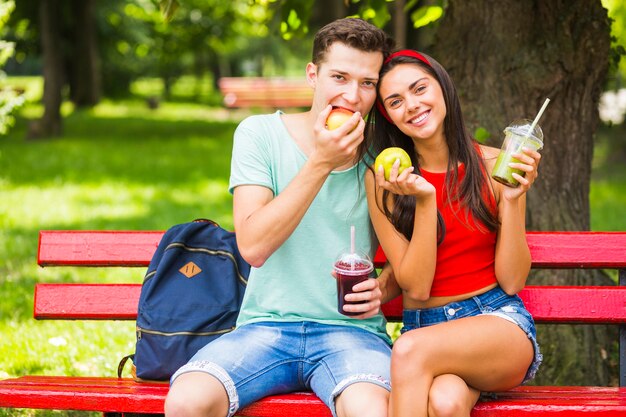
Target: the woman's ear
pixel 311 74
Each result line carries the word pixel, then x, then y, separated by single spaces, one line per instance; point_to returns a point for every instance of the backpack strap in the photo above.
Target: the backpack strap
pixel 122 364
pixel 202 220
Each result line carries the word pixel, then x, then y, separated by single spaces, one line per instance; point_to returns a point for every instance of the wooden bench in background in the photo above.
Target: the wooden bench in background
pixel 272 92
pixel 562 304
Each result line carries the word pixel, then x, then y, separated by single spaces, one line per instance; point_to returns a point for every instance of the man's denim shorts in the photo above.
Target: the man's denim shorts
pixel 494 302
pixel 266 358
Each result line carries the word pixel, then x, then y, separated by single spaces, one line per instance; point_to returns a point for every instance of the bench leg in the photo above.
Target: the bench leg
pixel 622 339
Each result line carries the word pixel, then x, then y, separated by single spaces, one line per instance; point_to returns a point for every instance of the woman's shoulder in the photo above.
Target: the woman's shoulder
pixel 489 155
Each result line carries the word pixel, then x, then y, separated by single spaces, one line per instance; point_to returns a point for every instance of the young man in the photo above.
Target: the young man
pixel 297 189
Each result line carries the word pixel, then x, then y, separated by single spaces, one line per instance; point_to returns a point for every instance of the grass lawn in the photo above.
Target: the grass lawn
pixel 124 166
pixel 118 166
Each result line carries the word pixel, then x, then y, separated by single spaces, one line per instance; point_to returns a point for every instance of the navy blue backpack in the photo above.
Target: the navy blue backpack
pixel 191 294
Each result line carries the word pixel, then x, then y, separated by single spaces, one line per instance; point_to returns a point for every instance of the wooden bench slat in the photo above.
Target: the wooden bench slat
pixel 97 248
pixel 125 395
pixel 265 92
pixel 90 394
pixel 556 304
pixel 135 248
pixel 588 250
pixel 577 249
pixel 86 301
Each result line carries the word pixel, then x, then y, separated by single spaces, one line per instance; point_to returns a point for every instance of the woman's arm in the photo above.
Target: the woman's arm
pixel 413 261
pixel 388 284
pixel 512 258
pixel 512 261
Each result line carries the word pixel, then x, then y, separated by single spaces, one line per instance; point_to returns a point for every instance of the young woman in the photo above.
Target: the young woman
pixel 457 243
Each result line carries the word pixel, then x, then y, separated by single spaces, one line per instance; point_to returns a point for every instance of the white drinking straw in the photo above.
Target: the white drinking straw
pixel 352 246
pixel 532 126
pixel 352 239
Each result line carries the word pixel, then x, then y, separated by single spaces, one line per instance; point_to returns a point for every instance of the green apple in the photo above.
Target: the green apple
pixel 337 117
pixel 387 158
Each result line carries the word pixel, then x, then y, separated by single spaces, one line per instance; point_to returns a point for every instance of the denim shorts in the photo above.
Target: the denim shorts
pixel 493 302
pixel 268 358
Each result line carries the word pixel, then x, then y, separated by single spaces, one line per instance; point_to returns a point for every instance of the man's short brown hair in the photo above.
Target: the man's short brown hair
pixel 353 32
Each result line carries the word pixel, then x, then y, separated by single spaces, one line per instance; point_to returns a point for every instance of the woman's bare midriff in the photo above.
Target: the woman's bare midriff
pixel 410 304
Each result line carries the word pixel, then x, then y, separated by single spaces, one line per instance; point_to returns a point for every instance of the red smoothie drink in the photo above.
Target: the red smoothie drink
pixel 348 275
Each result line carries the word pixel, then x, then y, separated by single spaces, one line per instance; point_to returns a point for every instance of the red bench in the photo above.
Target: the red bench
pixel 559 304
pixel 264 93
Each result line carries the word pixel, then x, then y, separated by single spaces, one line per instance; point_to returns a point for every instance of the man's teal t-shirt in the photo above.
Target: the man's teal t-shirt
pixel 295 283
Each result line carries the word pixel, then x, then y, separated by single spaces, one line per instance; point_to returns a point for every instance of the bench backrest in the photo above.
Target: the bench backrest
pixel 587 250
pixel 273 92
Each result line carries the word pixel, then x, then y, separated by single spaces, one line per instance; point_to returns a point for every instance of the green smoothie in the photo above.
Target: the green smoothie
pixel 516 136
pixel 503 173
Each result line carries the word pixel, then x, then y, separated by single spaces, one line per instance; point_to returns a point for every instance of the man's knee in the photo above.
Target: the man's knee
pixel 362 399
pixel 196 394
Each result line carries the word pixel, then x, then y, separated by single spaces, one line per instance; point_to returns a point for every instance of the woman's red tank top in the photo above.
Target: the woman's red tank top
pixel 466 257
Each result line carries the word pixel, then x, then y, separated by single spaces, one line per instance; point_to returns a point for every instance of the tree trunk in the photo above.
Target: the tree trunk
pixel 86 85
pixel 51 123
pixel 506 57
pixel 325 11
pixel 399 23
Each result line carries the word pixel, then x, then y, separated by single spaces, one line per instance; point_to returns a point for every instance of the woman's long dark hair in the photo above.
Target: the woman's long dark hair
pixel 474 192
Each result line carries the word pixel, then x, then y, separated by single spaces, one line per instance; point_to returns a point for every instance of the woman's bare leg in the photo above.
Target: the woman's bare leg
pixel 450 396
pixel 489 353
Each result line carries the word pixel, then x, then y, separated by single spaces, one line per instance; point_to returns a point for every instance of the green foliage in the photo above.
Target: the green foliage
pixel 617 13
pixel 426 15
pixel 168 8
pixel 295 16
pixel 482 135
pixel 375 11
pixel 10 98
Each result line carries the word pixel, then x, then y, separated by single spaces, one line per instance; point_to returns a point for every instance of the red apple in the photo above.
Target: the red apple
pixel 337 117
pixel 388 157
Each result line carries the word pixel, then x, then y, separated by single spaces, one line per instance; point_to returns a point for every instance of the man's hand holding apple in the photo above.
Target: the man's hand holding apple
pixel 337 147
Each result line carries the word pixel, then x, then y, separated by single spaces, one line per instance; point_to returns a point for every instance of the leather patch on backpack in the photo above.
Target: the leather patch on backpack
pixel 190 270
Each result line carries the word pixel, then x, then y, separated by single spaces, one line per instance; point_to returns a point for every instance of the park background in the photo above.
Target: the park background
pixel 140 138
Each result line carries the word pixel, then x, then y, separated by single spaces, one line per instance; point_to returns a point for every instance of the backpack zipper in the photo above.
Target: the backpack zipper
pixel 141 330
pixel 229 255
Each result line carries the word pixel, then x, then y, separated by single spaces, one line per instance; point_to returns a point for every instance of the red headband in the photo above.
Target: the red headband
pixel 403 52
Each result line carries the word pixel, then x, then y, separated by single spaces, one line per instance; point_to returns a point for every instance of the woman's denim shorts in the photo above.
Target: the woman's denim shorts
pixel 493 302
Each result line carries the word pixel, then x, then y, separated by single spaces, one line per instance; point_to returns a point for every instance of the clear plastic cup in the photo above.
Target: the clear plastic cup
pixel 516 136
pixel 350 268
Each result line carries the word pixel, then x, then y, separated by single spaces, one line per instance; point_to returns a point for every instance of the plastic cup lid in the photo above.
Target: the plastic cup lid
pixel 520 127
pixel 353 263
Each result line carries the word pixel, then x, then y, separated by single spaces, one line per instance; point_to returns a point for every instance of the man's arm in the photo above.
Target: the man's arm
pixel 264 222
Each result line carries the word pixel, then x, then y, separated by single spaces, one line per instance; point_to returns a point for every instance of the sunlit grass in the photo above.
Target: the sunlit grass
pixel 607 195
pixel 117 166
